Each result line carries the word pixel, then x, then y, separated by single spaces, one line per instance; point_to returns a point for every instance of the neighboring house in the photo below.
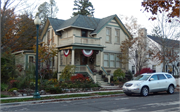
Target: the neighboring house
pixel 88 43
pixel 172 48
pixel 24 59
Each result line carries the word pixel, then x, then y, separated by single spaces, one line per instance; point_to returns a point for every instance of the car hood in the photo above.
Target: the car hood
pixel 135 81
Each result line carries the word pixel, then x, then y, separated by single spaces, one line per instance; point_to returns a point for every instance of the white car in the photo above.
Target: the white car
pixel 150 82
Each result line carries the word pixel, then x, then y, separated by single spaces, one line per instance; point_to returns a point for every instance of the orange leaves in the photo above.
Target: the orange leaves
pixel 155 6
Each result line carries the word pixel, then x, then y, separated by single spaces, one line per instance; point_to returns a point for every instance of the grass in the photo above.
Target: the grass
pixel 3 96
pixel 57 97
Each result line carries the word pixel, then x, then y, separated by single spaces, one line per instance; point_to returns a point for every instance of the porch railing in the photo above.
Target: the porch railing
pixel 80 40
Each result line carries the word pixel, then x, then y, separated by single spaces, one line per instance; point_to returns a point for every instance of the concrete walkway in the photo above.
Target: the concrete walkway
pixel 60 99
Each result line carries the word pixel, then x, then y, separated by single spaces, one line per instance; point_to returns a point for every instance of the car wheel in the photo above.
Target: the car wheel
pixel 128 94
pixel 170 89
pixel 144 91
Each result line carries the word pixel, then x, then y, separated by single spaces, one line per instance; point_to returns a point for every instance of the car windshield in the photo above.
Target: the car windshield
pixel 142 77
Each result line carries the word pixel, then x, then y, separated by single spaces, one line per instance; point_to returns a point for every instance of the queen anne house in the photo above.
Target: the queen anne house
pixel 89 43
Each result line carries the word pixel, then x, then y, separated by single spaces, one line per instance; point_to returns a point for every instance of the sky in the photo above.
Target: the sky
pixel 104 8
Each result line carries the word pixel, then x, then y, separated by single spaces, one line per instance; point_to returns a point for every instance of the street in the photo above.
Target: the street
pixel 161 102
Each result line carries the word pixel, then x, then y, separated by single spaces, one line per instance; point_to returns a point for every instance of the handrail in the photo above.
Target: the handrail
pixel 89 69
pixel 89 37
pixel 104 70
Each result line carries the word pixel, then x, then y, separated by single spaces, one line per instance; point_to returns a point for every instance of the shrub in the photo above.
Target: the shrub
pixel 79 77
pixel 53 90
pixel 11 90
pixel 118 74
pixel 129 75
pixel 4 87
pixel 144 70
pixel 13 83
pixel 67 72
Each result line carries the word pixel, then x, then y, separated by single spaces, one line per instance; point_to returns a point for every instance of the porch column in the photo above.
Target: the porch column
pixel 72 57
pixel 101 62
pixel 58 64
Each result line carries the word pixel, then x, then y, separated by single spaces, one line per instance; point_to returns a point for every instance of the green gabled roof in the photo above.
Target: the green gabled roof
pixel 85 22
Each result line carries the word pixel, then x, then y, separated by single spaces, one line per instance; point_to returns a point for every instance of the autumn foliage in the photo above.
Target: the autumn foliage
pixel 155 6
pixel 79 77
pixel 144 70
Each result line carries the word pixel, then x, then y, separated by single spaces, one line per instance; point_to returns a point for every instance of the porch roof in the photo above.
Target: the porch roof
pixel 81 46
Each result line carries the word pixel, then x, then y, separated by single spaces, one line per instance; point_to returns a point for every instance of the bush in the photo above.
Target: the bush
pixel 67 72
pixel 79 77
pixel 11 90
pixel 129 75
pixel 53 90
pixel 144 70
pixel 118 74
pixel 4 87
pixel 13 83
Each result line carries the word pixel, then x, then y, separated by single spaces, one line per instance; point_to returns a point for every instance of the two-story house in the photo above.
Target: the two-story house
pixel 171 53
pixel 88 43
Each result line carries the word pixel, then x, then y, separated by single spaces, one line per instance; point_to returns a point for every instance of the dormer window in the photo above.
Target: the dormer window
pixel 84 33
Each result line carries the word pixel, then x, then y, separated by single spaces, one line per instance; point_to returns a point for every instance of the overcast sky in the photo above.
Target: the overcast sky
pixel 104 8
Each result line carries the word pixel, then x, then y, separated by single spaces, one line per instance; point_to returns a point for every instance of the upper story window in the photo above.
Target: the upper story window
pixel 117 35
pixel 108 34
pixel 84 33
pixel 48 37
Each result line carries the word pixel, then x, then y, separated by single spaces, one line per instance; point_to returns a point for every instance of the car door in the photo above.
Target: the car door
pixel 154 84
pixel 162 82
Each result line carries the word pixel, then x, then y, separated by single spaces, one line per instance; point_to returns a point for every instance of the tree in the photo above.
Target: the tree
pixel 136 51
pixel 19 31
pixel 45 55
pixel 131 24
pixel 11 23
pixel 83 7
pixel 155 6
pixel 166 33
pixel 46 10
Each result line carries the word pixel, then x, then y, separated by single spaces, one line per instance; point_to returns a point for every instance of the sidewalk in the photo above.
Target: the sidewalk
pixel 60 99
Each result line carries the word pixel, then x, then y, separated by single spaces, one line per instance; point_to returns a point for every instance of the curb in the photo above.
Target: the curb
pixel 53 100
pixel 60 99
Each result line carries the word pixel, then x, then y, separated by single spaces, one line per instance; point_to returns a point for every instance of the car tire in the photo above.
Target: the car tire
pixel 170 89
pixel 128 94
pixel 144 91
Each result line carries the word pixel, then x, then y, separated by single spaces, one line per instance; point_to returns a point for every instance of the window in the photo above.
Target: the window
pixel 117 36
pixel 155 77
pixel 108 34
pixel 168 76
pixel 133 69
pixel 48 36
pixel 118 61
pixel 154 68
pixel 52 36
pixel 106 60
pixel 161 76
pixel 31 59
pixel 84 33
pixel 112 60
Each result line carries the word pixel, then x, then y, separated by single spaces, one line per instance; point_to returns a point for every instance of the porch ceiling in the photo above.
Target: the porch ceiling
pixel 76 46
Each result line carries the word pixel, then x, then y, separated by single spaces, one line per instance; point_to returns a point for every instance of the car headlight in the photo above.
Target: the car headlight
pixel 137 85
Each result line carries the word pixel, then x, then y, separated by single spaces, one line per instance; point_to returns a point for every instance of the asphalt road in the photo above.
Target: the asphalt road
pixel 161 102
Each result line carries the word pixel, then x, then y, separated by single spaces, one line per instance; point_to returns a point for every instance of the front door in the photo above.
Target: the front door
pixel 83 60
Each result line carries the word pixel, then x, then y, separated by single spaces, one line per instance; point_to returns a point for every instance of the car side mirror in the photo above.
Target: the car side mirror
pixel 151 79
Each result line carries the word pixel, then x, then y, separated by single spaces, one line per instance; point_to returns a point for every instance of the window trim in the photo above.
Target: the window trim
pixel 108 35
pixel 115 60
pixel 117 36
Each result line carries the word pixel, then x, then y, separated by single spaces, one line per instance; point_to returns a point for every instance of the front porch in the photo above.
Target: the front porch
pixel 84 64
